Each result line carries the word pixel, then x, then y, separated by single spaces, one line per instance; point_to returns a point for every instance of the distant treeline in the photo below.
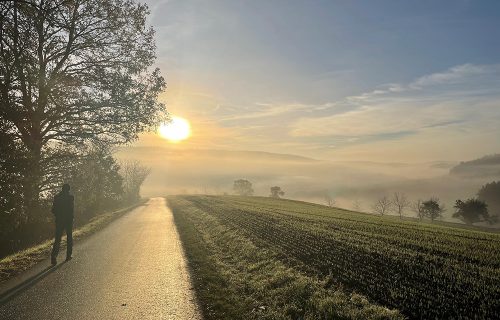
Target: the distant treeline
pixel 483 208
pixel 487 166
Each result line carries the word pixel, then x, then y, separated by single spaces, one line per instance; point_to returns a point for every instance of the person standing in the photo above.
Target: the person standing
pixel 63 210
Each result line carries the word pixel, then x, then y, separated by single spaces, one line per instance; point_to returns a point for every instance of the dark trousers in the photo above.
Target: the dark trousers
pixel 61 225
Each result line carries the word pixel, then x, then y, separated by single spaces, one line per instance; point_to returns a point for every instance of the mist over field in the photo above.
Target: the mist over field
pixel 350 183
pixel 227 159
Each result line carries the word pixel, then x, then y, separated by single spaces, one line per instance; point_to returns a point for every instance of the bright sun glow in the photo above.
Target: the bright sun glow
pixel 176 130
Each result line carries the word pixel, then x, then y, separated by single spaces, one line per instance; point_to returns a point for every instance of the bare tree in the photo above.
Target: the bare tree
pixel 382 205
pixel 400 203
pixel 356 205
pixel 418 209
pixel 134 175
pixel 329 200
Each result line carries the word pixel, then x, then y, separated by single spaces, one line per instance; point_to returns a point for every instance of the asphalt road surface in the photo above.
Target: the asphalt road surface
pixel 133 269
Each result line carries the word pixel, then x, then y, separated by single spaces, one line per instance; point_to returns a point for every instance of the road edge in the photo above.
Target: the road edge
pixel 20 262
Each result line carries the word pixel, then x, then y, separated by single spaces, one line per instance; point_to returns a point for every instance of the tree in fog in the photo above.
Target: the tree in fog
pixel 356 205
pixel 96 181
pixel 471 211
pixel 490 193
pixel 432 208
pixel 243 187
pixel 417 208
pixel 329 200
pixel 400 203
pixel 276 192
pixel 73 72
pixel 382 206
pixel 133 174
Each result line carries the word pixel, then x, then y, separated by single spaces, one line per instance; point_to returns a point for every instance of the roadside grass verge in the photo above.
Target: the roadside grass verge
pixel 23 260
pixel 236 279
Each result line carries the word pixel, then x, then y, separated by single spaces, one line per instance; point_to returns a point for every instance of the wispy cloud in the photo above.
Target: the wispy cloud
pixel 263 111
pixel 442 109
pixel 457 74
pixel 375 119
pixel 269 110
pixel 459 95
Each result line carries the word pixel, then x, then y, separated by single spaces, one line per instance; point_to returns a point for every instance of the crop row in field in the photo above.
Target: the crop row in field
pixel 235 279
pixel 423 270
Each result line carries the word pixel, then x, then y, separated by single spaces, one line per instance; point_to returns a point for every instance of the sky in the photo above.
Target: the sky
pixel 388 80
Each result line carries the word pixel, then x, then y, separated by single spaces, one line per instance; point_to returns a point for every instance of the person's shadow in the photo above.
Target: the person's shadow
pixel 26 284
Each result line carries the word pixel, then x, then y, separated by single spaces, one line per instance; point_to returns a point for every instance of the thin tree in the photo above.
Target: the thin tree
pixel 400 203
pixel 382 206
pixel 329 200
pixel 417 208
pixel 134 174
pixel 356 205
pixel 73 72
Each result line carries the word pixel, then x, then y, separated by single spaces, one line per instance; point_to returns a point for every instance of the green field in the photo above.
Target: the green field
pixel 264 258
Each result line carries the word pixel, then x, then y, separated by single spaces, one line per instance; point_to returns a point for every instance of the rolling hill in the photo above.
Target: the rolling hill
pixel 485 167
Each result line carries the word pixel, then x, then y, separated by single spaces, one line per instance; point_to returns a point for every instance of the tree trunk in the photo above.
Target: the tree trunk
pixel 32 183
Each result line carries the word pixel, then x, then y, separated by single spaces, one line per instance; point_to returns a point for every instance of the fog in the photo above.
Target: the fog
pixel 180 171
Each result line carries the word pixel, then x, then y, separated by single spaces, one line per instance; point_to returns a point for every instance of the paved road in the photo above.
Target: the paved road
pixel 133 269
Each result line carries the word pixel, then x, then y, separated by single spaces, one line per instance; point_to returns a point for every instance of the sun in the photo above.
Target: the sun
pixel 176 130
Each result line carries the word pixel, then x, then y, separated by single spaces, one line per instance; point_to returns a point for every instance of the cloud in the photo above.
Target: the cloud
pixel 456 74
pixel 442 109
pixel 461 94
pixel 269 110
pixel 264 110
pixel 376 120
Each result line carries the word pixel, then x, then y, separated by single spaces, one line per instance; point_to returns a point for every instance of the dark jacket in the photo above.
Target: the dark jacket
pixel 63 205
